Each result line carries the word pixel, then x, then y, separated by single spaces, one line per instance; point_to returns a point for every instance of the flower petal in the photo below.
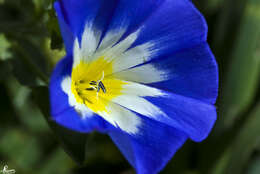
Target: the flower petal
pixel 66 32
pixel 160 32
pixel 57 96
pixel 72 120
pixel 128 17
pixel 174 26
pixel 193 117
pixel 150 150
pixel 191 72
pixel 95 13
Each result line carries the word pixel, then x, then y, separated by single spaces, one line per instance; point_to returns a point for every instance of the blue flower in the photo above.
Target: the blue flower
pixel 140 71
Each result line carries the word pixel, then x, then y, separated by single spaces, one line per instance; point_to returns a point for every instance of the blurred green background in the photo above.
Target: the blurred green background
pixel 30 45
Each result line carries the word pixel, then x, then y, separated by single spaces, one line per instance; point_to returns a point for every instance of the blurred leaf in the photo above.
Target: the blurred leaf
pixel 4 46
pixel 28 64
pixel 212 5
pixel 221 164
pixel 56 40
pixel 54 55
pixel 53 27
pixel 8 116
pixel 226 27
pixel 254 167
pixel 243 77
pixel 29 115
pixel 57 163
pixel 244 144
pixel 23 73
pixel 17 16
pixel 20 148
pixel 128 172
pixel 5 70
pixel 42 4
pixel 73 142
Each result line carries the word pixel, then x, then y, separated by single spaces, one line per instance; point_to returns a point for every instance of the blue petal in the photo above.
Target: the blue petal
pixel 132 14
pixel 57 96
pixel 191 72
pixel 72 120
pixel 78 13
pixel 190 116
pixel 156 18
pixel 174 26
pixel 149 151
pixel 66 33
pixel 61 111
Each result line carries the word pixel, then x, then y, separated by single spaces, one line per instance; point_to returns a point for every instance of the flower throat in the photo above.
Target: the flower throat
pixel 93 85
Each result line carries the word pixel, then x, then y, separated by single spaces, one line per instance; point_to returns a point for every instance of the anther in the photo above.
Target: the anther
pixel 93 83
pixel 90 89
pixel 81 81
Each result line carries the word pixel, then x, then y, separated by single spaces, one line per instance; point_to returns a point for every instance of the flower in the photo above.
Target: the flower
pixel 140 71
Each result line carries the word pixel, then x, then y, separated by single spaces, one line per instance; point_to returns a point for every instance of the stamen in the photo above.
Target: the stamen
pixel 93 83
pixel 102 86
pixel 90 89
pixel 82 87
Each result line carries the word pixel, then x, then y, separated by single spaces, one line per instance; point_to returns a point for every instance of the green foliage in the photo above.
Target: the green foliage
pixel 242 82
pixel 30 142
pixel 4 46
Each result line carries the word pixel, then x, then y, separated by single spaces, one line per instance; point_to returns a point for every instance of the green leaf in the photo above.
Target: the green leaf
pixel 221 164
pixel 5 69
pixel 254 167
pixel 243 75
pixel 74 143
pixel 53 27
pixel 213 5
pixel 17 146
pixel 4 46
pixel 244 144
pixel 52 164
pixel 29 64
pixel 23 105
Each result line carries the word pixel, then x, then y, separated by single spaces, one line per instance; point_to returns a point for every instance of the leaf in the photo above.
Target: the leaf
pixel 17 146
pixel 5 70
pixel 53 27
pixel 244 144
pixel 24 107
pixel 226 27
pixel 73 142
pixel 221 164
pixel 213 4
pixel 51 165
pixel 4 46
pixel 28 63
pixel 254 167
pixel 22 72
pixel 243 76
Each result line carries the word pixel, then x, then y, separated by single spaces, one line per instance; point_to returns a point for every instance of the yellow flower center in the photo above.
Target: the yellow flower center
pixel 94 85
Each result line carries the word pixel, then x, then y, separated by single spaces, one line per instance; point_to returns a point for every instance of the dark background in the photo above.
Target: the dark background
pixel 30 45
